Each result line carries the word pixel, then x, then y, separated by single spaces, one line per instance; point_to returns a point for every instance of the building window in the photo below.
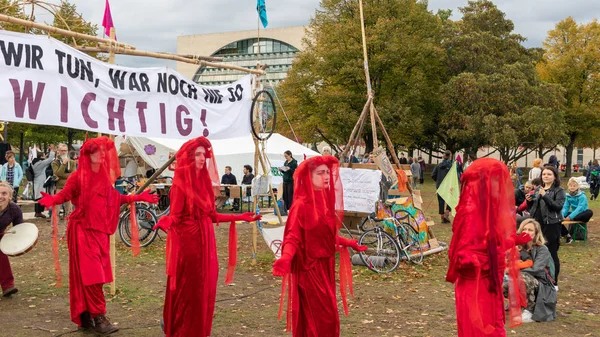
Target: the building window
pixel 278 56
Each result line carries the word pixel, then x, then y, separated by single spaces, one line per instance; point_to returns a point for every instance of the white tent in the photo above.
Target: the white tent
pixel 234 152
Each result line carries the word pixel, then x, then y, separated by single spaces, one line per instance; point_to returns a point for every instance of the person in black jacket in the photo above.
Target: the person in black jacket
pixel 288 169
pixel 547 210
pixel 438 174
pixel 229 179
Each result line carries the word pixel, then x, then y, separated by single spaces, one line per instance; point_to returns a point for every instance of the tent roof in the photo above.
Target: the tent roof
pixel 276 144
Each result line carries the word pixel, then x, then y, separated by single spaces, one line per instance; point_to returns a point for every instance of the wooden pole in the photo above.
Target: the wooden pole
pixel 113 243
pixel 367 76
pixel 31 24
pixel 255 205
pixel 196 60
pixel 358 123
pixel 390 145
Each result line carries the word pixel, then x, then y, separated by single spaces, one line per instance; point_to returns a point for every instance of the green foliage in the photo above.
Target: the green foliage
pixel 494 96
pixel 325 91
pixel 572 60
pixel 12 8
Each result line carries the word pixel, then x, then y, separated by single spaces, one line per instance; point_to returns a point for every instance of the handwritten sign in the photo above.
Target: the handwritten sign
pixel 361 189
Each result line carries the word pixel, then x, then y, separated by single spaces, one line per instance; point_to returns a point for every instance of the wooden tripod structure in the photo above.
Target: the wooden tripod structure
pixel 369 109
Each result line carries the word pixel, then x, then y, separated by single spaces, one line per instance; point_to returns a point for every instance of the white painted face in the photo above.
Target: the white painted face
pixel 98 156
pixel 320 177
pixel 200 157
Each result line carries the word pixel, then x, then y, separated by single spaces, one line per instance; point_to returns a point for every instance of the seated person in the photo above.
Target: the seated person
pixel 229 179
pixel 539 284
pixel 575 208
pixel 247 179
pixel 10 213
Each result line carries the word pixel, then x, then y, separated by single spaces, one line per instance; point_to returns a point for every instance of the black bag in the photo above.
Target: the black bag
pixel 29 173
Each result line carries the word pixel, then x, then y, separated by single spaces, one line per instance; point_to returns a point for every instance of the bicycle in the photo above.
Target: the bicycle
pixel 147 217
pixel 385 250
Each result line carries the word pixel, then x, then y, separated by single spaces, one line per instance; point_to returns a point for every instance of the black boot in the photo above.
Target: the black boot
pixel 87 323
pixel 103 326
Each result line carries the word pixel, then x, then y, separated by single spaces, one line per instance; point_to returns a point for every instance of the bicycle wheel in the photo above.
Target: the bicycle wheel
pixel 146 219
pixel 263 115
pixel 383 253
pixel 408 239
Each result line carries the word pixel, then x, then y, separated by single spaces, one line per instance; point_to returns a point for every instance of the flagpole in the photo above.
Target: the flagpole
pixel 113 247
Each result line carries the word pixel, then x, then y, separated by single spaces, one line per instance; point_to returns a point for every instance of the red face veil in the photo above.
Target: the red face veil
pixel 198 183
pixel 326 203
pixel 109 169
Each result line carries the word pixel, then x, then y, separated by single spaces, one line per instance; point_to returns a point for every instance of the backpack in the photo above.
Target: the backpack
pixel 594 174
pixel 29 172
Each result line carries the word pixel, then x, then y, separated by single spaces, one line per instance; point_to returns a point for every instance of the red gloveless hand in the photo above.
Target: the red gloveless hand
pixel 164 223
pixel 47 200
pixel 147 197
pixel 522 238
pixel 282 266
pixel 250 216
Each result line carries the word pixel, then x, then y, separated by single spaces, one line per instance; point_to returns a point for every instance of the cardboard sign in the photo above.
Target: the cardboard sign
pixel 361 189
pixel 383 162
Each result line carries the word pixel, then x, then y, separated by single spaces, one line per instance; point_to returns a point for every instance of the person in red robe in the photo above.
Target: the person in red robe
pixel 192 264
pixel 310 242
pixel 482 248
pixel 96 216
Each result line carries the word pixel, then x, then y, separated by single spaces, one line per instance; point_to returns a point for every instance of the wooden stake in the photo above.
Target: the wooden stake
pixel 199 60
pixel 113 243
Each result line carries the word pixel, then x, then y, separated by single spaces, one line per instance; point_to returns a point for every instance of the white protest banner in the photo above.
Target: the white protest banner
pixel 361 189
pixel 44 81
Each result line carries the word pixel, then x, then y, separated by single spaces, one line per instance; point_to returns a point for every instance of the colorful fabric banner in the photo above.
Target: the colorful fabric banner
pixel 107 21
pixel 261 8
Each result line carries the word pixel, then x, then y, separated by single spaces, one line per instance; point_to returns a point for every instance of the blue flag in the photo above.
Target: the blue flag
pixel 261 8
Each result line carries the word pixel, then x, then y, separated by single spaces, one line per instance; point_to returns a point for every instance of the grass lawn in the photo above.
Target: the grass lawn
pixel 413 301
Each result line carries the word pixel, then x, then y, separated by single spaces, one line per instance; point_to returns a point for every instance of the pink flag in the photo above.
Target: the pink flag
pixel 107 22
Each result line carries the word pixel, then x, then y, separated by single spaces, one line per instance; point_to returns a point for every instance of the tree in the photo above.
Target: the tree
pixel 12 8
pixel 325 90
pixel 494 96
pixel 572 59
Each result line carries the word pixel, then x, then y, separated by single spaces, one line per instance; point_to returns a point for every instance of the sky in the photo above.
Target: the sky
pixel 154 25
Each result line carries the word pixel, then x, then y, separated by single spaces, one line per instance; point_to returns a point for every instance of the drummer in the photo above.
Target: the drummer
pixel 9 213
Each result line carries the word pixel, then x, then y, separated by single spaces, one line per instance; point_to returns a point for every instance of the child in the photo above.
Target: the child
pixel 575 207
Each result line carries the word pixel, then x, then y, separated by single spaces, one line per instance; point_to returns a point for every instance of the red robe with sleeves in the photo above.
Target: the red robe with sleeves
pixel 482 233
pixel 311 231
pixel 192 264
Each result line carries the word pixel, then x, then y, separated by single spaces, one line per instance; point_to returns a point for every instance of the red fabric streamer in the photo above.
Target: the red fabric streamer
pixel 232 262
pixel 55 247
pixel 135 233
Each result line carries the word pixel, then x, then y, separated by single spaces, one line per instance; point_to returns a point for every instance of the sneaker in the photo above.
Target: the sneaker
pixel 103 326
pixel 569 240
pixel 526 316
pixel 9 292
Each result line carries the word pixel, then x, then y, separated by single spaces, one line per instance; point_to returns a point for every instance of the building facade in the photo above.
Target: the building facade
pixel 276 47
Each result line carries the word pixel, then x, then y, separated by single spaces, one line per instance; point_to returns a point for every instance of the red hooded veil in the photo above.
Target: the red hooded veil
pixel 482 246
pixel 312 227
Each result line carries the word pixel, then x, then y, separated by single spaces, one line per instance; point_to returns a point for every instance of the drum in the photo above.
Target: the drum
pixel 19 239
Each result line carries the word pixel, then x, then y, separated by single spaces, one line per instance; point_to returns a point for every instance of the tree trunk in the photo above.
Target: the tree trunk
pixel 21 148
pixel 70 134
pixel 569 153
pixel 541 152
pixel 368 137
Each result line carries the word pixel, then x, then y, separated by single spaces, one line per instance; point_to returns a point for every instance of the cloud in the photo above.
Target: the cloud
pixel 153 25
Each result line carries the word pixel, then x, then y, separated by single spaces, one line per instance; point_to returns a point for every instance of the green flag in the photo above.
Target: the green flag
pixel 449 189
